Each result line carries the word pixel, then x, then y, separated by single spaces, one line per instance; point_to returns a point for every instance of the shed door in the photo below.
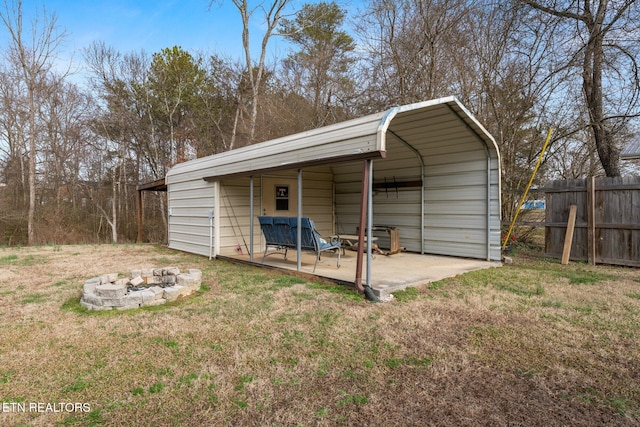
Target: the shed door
pixel 279 196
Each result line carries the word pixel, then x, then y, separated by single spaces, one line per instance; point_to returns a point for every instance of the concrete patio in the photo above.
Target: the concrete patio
pixel 389 273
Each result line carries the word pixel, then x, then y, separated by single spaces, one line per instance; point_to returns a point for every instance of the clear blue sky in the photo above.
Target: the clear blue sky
pixel 132 25
pixel 151 25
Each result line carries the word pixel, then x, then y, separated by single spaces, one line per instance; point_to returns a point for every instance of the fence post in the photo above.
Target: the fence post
pixel 591 220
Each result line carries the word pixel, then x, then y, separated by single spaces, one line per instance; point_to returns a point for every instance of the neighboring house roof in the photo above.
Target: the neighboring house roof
pixel 632 149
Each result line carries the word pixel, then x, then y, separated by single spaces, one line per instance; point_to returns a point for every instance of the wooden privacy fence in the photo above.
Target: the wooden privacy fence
pixel 607 227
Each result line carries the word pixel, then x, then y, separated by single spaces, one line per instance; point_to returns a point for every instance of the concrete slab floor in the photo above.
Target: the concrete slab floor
pixel 388 273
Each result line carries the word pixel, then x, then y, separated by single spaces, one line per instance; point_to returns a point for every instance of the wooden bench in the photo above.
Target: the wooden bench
pixel 281 234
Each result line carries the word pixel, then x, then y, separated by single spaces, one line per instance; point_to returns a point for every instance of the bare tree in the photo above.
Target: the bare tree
pixel 410 45
pixel 13 145
pixel 599 46
pixel 126 133
pixel 33 55
pixel 272 13
pixel 502 76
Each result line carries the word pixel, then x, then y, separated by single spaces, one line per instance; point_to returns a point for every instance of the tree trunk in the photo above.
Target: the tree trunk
pixel 592 87
pixel 114 212
pixel 32 168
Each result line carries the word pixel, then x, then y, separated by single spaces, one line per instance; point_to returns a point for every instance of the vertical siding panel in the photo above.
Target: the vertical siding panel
pixel 317 203
pixel 189 204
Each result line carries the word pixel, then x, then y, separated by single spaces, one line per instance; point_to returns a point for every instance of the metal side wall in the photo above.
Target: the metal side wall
pixel 190 203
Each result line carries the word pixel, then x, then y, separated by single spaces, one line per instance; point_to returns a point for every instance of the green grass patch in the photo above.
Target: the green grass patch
pixel 72 305
pixel 582 309
pixel 6 375
pixel 406 295
pixel 551 304
pixel 344 291
pixel 286 282
pixel 419 362
pixel 243 381
pixel 620 404
pixel 322 412
pixel 633 295
pixel 27 261
pixel 584 277
pixel 34 298
pixel 188 380
pixel 77 386
pixel 353 399
pixel 93 418
pixel 13 400
pixel 240 404
pixel 8 259
pixel 434 286
pixel 156 388
pixel 393 363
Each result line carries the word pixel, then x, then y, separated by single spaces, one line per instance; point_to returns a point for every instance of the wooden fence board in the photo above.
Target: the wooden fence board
pixel 611 214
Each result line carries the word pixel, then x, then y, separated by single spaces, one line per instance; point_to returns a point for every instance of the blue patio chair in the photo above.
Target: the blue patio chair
pixel 312 240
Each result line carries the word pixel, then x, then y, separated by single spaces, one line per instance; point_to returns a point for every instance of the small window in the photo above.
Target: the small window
pixel 282 197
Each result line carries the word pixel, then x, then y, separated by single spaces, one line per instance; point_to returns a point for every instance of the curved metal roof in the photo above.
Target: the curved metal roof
pixel 360 138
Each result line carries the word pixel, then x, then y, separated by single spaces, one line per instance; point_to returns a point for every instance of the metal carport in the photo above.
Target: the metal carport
pixel 438 160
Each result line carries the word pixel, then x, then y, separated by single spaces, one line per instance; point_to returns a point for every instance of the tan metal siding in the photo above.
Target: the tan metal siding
pixel 317 202
pixel 234 216
pixel 189 206
pixel 456 203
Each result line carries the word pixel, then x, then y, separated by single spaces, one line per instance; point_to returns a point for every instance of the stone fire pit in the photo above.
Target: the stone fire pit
pixel 153 286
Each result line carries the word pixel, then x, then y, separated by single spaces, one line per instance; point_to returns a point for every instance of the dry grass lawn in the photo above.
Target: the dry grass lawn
pixel 531 344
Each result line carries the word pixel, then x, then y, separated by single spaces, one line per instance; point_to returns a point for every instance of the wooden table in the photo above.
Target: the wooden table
pixel 394 238
pixel 349 240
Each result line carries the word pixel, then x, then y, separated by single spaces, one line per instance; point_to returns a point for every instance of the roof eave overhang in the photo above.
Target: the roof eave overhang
pixel 157 185
pixel 300 165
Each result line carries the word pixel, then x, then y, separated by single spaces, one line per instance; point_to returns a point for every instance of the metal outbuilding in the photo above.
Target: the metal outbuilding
pixel 428 169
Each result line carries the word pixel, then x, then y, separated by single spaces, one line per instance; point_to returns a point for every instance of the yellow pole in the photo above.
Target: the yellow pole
pixel 526 191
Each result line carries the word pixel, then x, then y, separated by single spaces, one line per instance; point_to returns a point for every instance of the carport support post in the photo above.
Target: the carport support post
pixel 251 218
pixel 364 203
pixel 140 215
pixel 369 222
pixel 299 242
